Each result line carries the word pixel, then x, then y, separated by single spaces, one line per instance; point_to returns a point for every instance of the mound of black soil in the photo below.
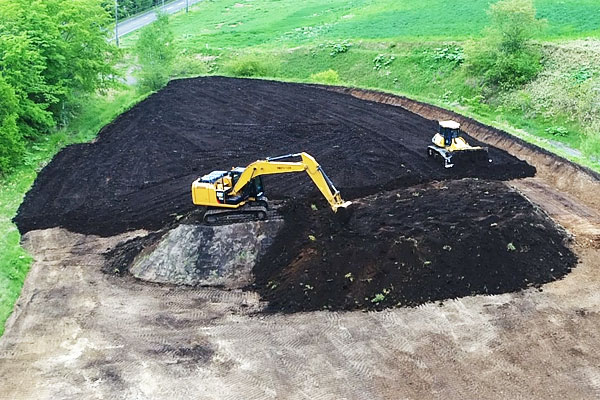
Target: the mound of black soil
pixel 138 172
pixel 402 248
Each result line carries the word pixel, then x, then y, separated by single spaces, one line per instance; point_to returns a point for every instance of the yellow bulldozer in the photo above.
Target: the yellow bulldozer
pixel 453 148
pixel 240 191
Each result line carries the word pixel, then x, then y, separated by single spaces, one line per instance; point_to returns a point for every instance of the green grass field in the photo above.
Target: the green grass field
pixel 239 24
pixel 294 41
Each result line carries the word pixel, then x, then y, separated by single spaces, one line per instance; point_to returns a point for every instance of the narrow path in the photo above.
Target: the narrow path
pixel 139 21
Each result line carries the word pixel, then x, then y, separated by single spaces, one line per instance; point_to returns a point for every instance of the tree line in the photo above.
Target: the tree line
pixel 51 53
pixel 127 8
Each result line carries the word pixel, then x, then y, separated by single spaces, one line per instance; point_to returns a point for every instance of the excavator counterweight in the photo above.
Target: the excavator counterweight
pixel 240 192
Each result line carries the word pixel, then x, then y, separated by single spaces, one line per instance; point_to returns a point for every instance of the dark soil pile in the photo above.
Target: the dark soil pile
pixel 403 248
pixel 138 172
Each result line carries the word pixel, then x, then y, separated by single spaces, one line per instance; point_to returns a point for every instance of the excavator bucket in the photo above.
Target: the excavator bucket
pixel 343 212
pixel 341 206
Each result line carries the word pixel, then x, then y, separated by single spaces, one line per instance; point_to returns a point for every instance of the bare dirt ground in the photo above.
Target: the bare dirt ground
pixel 80 333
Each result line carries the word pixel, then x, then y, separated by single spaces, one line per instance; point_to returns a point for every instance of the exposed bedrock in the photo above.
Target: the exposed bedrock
pixel 206 255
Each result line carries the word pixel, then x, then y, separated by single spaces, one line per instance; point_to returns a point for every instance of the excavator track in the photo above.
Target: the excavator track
pixel 219 216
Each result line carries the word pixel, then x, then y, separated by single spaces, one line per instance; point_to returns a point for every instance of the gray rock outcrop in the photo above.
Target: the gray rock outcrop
pixel 206 255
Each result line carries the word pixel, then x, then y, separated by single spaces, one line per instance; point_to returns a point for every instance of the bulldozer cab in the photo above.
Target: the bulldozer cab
pixel 449 130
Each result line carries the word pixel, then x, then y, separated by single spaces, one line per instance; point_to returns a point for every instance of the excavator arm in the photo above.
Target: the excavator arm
pixel 274 165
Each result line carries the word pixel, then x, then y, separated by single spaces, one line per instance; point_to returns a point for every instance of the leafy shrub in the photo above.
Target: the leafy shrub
pixel 511 70
pixel 329 77
pixel 557 131
pixel 505 57
pixel 339 48
pixel 583 74
pixel 454 54
pixel 251 66
pixel 382 61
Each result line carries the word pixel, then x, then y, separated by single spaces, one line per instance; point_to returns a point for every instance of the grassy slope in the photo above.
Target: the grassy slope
pixel 14 261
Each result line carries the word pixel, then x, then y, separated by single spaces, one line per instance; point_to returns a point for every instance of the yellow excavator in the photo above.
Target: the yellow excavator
pixel 239 192
pixel 452 147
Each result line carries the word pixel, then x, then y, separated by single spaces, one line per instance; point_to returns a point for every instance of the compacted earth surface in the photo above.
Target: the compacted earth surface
pixel 437 283
pixel 138 172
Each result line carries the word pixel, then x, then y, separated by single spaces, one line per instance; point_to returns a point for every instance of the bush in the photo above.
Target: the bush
pixel 156 52
pixel 251 66
pixel 510 70
pixel 557 131
pixel 330 77
pixel 452 53
pixel 505 57
pixel 339 48
pixel 382 61
pixel 590 146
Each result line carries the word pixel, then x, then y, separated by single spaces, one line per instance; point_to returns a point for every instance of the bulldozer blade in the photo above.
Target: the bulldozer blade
pixel 471 157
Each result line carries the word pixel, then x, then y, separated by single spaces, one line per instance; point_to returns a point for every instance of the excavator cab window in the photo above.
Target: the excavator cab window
pixel 254 188
pixel 235 176
pixel 258 186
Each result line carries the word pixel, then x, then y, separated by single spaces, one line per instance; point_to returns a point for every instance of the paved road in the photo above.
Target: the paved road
pixel 148 17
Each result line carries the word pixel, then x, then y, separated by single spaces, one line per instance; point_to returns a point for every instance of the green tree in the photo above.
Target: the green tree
pixel 155 52
pixel 11 143
pixel 22 67
pixel 129 7
pixel 51 52
pixel 506 56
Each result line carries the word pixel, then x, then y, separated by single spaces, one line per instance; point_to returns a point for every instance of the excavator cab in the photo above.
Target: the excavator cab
pixel 223 183
pixel 252 190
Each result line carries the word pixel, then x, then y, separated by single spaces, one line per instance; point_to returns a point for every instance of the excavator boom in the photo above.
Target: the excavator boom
pixel 274 165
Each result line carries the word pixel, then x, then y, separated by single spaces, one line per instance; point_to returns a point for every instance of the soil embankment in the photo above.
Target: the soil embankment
pixel 408 247
pixel 138 172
